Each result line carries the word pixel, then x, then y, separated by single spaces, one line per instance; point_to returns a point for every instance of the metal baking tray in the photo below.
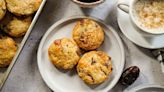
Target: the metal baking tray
pixel 4 72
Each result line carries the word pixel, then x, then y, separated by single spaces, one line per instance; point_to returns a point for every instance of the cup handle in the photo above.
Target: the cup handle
pixel 124 7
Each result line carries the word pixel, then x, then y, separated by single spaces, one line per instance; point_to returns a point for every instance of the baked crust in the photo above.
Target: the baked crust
pixel 88 34
pixel 8 50
pixel 64 53
pixel 23 7
pixel 2 9
pixel 17 26
pixel 94 67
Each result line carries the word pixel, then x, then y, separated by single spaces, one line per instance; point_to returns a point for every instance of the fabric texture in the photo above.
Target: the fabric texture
pixel 159 54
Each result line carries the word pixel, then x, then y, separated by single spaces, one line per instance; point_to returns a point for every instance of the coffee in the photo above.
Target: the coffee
pixel 88 1
pixel 150 13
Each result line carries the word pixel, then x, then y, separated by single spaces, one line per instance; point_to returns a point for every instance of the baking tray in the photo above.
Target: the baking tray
pixel 4 72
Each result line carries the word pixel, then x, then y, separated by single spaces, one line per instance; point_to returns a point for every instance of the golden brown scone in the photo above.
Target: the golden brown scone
pixel 64 53
pixel 88 34
pixel 2 9
pixel 8 50
pixel 23 7
pixel 94 67
pixel 17 26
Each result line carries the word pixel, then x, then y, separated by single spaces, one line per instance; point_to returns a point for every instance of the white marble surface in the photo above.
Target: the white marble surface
pixel 25 76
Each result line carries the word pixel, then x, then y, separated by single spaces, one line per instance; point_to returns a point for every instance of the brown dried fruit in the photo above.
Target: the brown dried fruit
pixel 130 75
pixel 57 42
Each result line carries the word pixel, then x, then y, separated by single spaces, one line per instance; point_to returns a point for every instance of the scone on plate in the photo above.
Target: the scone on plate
pixel 94 67
pixel 64 53
pixel 16 26
pixel 8 50
pixel 23 7
pixel 88 34
pixel 2 9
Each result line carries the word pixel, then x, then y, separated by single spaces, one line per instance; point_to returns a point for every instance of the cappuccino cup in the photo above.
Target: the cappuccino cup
pixel 147 15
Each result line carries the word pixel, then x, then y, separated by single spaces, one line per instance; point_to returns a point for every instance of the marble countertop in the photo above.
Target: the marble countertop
pixel 25 76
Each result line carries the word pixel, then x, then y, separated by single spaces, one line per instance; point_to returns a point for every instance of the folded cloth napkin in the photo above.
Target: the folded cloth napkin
pixel 159 54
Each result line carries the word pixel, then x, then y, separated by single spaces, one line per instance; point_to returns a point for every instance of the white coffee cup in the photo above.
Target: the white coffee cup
pixel 130 8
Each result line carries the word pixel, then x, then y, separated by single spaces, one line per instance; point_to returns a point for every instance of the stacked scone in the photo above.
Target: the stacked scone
pixel 15 19
pixel 93 67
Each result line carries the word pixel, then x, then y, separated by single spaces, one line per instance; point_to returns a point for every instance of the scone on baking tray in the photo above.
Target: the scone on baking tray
pixel 15 19
pixel 88 34
pixel 94 67
pixel 64 53
pixel 15 26
pixel 23 7
pixel 2 9
pixel 8 50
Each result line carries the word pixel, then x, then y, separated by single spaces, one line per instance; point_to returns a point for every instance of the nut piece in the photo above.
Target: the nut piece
pixel 130 75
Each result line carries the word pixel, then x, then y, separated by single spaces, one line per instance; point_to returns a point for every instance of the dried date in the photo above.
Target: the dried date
pixel 130 75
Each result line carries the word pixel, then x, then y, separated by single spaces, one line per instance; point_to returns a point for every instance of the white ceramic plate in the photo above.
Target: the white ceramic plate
pixel 135 35
pixel 147 88
pixel 60 81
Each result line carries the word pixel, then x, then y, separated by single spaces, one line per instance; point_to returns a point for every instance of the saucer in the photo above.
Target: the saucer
pixel 147 88
pixel 134 35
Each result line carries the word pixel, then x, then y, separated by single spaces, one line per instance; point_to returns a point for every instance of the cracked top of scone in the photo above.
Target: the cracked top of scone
pixel 8 50
pixel 94 67
pixel 64 53
pixel 23 7
pixel 88 34
pixel 15 26
pixel 2 8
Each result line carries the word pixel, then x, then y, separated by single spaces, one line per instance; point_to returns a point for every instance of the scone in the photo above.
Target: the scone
pixel 88 34
pixel 17 26
pixel 23 7
pixel 8 50
pixel 64 53
pixel 2 9
pixel 94 67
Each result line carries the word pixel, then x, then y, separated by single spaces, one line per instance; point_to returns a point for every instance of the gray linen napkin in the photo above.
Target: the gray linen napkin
pixel 159 54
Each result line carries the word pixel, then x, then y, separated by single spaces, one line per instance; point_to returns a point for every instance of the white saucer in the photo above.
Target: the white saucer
pixel 134 35
pixel 147 88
